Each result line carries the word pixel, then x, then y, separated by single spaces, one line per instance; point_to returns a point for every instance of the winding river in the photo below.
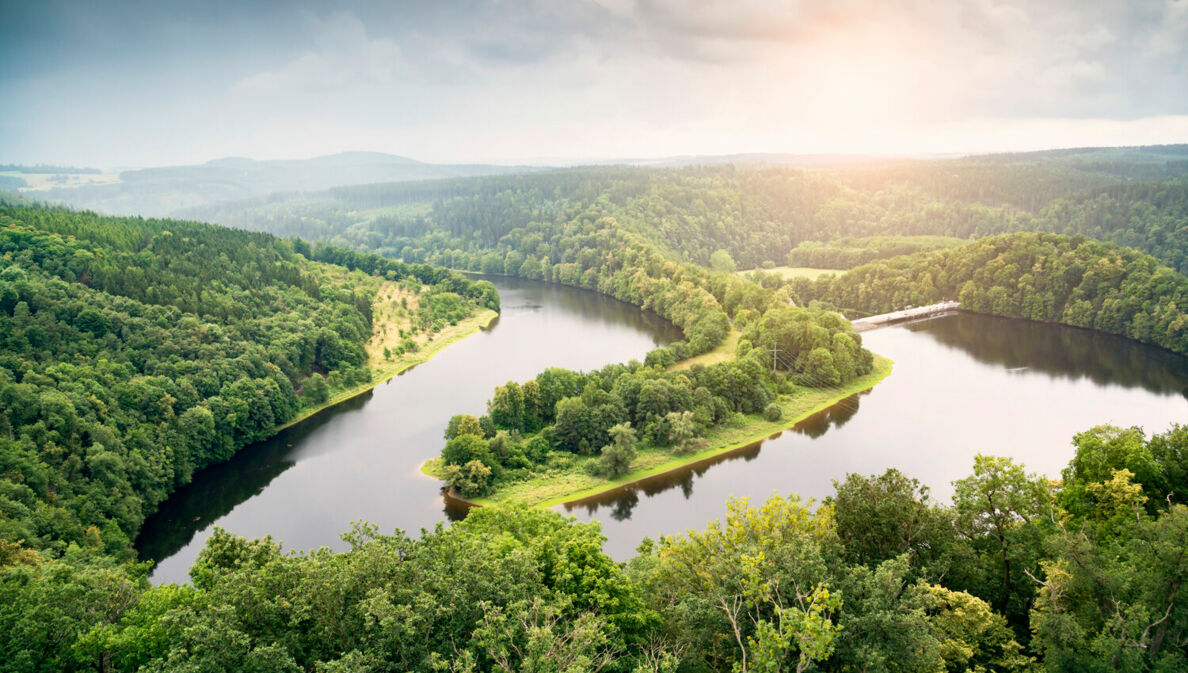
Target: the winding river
pixel 963 384
pixel 361 459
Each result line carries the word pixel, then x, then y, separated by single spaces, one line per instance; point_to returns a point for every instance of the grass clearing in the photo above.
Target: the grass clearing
pixel 568 481
pixel 724 352
pixel 787 272
pixel 41 181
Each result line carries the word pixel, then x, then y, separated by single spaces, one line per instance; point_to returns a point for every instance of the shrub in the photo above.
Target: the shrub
pixel 773 412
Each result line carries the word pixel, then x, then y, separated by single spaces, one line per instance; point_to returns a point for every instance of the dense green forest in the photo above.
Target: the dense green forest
pixel 1017 574
pixel 847 253
pixel 1044 277
pixel 136 352
pixel 757 214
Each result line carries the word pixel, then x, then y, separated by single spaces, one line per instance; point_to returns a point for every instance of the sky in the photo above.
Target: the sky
pixel 116 84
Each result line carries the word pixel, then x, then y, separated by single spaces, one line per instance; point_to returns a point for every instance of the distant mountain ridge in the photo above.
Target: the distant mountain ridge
pixel 164 190
pixel 184 190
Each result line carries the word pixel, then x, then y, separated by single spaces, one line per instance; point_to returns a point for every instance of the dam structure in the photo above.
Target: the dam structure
pixel 911 313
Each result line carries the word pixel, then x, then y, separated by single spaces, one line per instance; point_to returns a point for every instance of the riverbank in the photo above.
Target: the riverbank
pixel 383 370
pixel 560 486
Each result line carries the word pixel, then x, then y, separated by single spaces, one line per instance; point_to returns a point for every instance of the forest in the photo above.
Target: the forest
pixel 757 214
pixel 1017 573
pixel 139 351
pixel 1043 277
pixel 136 352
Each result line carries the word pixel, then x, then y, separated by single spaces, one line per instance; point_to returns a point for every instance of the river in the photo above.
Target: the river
pixel 962 384
pixel 361 459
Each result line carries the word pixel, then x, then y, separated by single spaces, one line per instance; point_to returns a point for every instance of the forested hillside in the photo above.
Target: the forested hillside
pixel 135 352
pixel 847 253
pixel 757 214
pixel 1044 277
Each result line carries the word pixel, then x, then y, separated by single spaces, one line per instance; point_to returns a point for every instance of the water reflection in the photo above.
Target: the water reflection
pixel 361 460
pixel 220 488
pixel 1060 352
pixel 622 501
pixel 963 384
pixel 835 416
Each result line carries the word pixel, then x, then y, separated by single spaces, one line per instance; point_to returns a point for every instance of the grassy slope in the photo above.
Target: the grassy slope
pixel 389 317
pixel 573 483
pixel 724 352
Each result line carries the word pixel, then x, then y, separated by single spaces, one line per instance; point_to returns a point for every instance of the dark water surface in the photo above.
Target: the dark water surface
pixel 963 384
pixel 361 459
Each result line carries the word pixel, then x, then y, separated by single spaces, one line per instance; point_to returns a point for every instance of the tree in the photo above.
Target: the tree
pixel 471 479
pixel 615 459
pixel 465 448
pixel 536 637
pixel 506 407
pixel 773 412
pixel 722 262
pixel 1005 514
pixel 463 424
pixel 883 517
pixel 315 389
pixel 752 591
pixel 681 429
pixel 1111 597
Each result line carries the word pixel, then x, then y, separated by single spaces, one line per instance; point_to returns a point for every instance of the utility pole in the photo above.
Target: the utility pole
pixel 774 354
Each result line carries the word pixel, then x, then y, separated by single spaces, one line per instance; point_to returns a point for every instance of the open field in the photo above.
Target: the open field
pixel 40 181
pixel 724 352
pixel 792 272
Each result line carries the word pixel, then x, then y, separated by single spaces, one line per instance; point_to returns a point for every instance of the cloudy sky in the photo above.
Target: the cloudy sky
pixel 109 83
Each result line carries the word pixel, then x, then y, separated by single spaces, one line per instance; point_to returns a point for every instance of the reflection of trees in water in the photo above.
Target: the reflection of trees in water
pixel 621 511
pixel 622 501
pixel 1061 352
pixel 454 509
pixel 218 489
pixel 588 304
pixel 833 417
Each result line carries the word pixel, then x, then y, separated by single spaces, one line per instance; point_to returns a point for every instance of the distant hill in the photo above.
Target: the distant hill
pixel 165 190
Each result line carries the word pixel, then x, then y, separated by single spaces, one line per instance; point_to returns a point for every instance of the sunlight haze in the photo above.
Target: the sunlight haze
pixel 577 81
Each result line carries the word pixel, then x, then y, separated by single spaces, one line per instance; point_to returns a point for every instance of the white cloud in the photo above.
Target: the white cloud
pixel 487 79
pixel 344 56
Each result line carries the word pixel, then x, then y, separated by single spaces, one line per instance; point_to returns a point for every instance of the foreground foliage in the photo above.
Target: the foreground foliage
pixel 1018 574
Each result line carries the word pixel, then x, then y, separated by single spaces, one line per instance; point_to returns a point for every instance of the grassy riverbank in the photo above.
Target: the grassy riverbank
pixel 383 369
pixel 570 481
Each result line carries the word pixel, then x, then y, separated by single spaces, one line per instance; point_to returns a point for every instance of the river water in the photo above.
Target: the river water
pixel 963 384
pixel 361 460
